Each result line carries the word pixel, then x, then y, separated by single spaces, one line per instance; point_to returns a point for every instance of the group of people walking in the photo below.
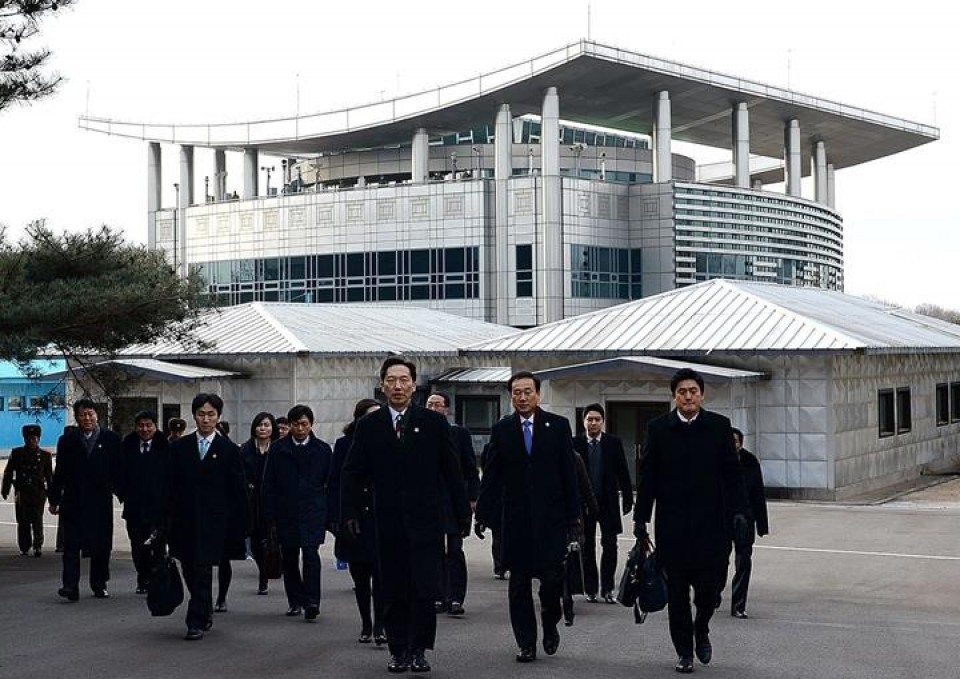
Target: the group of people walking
pixel 398 491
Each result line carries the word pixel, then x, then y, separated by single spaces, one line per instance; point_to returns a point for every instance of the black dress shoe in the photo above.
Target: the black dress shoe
pixel 608 598
pixel 101 593
pixel 740 614
pixel 500 575
pixel 141 589
pixel 551 640
pixel 703 649
pixel 527 654
pixel 456 609
pixel 365 637
pixel 399 662
pixel 208 625
pixel 69 594
pixel 194 634
pixel 592 598
pixel 311 612
pixel 262 589
pixel 684 665
pixel 379 638
pixel 439 606
pixel 221 607
pixel 293 611
pixel 418 662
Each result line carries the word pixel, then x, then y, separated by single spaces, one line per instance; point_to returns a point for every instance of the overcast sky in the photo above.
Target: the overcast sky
pixel 229 60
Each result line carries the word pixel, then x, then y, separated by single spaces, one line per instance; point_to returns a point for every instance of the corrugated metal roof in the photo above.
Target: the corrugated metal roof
pixel 177 372
pixel 282 328
pixel 736 316
pixel 650 364
pixel 498 375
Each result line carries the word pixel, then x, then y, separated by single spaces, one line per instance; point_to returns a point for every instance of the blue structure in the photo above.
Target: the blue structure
pixel 31 400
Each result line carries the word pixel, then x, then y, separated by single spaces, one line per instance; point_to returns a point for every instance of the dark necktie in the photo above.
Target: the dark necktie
pixel 396 424
pixel 144 447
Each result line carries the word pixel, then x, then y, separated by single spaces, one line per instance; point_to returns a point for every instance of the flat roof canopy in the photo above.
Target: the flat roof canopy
pixel 598 85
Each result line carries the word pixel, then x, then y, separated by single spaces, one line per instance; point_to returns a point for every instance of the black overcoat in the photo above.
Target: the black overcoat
pixel 207 501
pixel 407 475
pixel 467 459
pixel 362 549
pixel 142 488
pixel 253 465
pixel 294 493
pixel 616 480
pixel 539 495
pixel 753 481
pixel 690 471
pixel 83 487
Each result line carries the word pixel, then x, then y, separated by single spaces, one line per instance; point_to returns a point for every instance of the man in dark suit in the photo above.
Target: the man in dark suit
pixel 689 470
pixel 758 525
pixel 530 468
pixel 84 482
pixel 455 563
pixel 142 490
pixel 207 508
pixel 294 496
pixel 606 464
pixel 404 453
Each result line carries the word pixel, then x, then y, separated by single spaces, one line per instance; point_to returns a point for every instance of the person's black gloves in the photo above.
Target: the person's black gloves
pixel 478 530
pixel 741 530
pixel 352 526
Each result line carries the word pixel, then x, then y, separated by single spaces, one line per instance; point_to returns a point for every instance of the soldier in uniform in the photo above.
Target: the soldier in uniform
pixel 29 471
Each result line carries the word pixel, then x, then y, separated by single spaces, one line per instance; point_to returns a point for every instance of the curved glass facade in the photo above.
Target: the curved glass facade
pixel 743 234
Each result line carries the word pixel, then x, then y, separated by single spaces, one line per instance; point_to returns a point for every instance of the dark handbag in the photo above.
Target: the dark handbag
pixel 642 586
pixel 165 588
pixel 272 568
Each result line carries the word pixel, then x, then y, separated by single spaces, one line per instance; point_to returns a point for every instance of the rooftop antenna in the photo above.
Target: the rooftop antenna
pixel 789 68
pixel 589 31
pixel 88 99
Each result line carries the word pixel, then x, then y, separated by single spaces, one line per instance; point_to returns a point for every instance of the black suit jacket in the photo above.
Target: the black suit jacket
pixel 538 492
pixel 83 487
pixel 753 480
pixel 143 479
pixel 294 491
pixel 467 459
pixel 207 501
pixel 615 479
pixel 690 471
pixel 408 476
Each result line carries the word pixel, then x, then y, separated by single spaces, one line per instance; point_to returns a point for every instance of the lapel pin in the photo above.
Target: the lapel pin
pixel 546 424
pixel 416 430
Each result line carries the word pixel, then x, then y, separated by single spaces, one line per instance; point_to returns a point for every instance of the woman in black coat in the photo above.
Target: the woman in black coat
pixel 263 432
pixel 359 553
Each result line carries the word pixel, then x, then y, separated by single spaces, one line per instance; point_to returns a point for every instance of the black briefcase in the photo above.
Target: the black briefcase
pixel 642 586
pixel 165 588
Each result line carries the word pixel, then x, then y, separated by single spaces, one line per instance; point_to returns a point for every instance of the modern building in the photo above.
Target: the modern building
pixel 837 395
pixel 31 396
pixel 529 194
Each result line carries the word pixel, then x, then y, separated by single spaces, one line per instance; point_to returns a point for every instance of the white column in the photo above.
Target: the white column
pixel 791 157
pixel 186 175
pixel 741 145
pixel 153 191
pixel 662 129
pixel 500 293
pixel 550 260
pixel 831 188
pixel 251 178
pixel 420 157
pixel 219 174
pixel 818 162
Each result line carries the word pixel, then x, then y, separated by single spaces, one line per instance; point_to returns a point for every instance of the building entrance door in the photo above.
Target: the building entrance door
pixel 125 408
pixel 628 420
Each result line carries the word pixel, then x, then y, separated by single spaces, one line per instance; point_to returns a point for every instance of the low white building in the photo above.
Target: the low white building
pixel 836 395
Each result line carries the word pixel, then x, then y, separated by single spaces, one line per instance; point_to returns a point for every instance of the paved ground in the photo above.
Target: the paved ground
pixel 839 591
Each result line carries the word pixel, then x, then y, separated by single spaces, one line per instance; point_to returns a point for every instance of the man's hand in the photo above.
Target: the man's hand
pixel 352 526
pixel 54 509
pixel 642 536
pixel 478 530
pixel 741 530
pixel 465 529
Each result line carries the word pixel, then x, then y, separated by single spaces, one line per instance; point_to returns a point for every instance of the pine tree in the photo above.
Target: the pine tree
pixel 22 77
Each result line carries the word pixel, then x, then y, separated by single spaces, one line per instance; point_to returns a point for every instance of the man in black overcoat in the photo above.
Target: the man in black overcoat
pixel 142 490
pixel 84 483
pixel 207 508
pixel 606 464
pixel 689 470
pixel 294 503
pixel 405 454
pixel 530 469
pixel 758 525
pixel 455 562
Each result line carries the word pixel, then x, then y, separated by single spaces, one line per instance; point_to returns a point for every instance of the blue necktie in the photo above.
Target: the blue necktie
pixel 203 445
pixel 528 436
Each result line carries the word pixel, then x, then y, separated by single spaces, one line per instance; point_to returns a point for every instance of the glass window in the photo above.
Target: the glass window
pixel 478 413
pixel 524 254
pixel 355 264
pixel 324 266
pixel 943 404
pixel 15 403
pixel 453 260
pixel 386 263
pixel 955 401
pixel 298 268
pixel 1 403
pixel 886 413
pixel 420 261
pixel 904 419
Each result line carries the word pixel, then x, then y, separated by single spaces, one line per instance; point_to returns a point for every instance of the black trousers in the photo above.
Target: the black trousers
pixel 707 583
pixel 99 568
pixel 411 624
pixel 142 556
pixel 224 578
pixel 258 551
pixel 454 570
pixel 302 589
pixel 29 514
pixel 743 565
pixel 608 557
pixel 199 581
pixel 496 549
pixel 520 593
pixel 366 587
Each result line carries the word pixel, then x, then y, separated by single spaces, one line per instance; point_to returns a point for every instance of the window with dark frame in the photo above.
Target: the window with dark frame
pixel 887 413
pixel 904 416
pixel 15 403
pixel 524 270
pixel 943 404
pixel 954 402
pixel 478 413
